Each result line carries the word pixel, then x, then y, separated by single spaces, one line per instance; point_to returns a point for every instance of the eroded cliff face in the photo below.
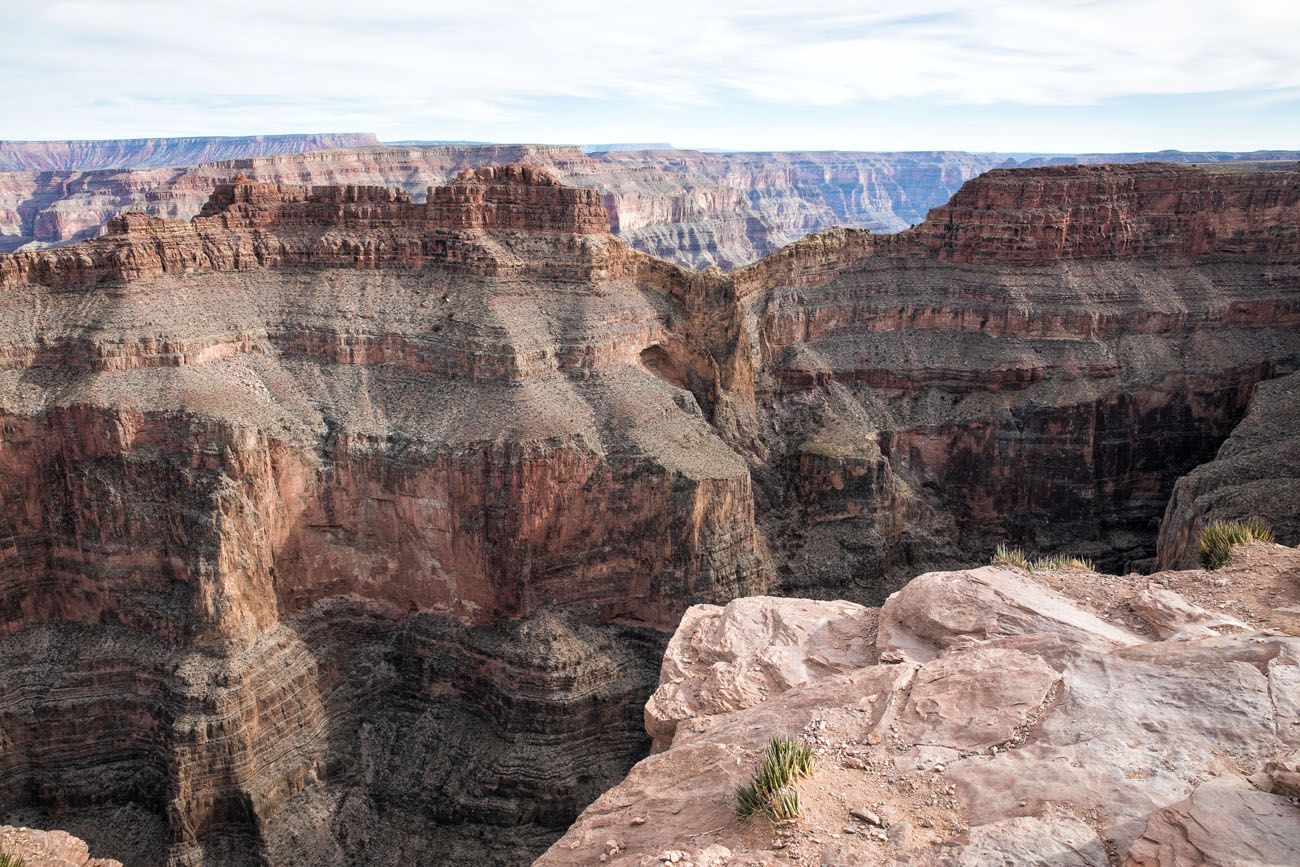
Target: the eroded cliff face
pixel 341 526
pixel 1255 474
pixel 1037 363
pixel 694 208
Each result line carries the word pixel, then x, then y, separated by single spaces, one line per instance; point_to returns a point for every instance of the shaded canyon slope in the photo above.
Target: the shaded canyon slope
pixel 344 527
pixel 1255 474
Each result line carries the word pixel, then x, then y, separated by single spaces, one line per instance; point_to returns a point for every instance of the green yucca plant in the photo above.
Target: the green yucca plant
pixel 7 860
pixel 785 806
pixel 1216 541
pixel 772 790
pixel 749 803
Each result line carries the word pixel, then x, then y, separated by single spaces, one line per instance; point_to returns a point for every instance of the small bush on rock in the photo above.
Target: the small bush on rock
pixel 7 860
pixel 1017 559
pixel 1061 561
pixel 1217 540
pixel 772 791
pixel 1007 556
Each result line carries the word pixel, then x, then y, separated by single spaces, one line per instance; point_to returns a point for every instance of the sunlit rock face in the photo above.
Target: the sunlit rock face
pixel 981 716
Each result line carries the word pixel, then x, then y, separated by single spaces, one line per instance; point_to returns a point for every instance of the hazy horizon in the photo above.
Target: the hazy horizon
pixel 1016 77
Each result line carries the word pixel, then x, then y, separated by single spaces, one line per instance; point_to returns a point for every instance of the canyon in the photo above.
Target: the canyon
pixel 92 154
pixel 346 524
pixel 695 208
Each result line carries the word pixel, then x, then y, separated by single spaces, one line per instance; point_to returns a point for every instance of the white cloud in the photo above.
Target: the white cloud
pixel 239 65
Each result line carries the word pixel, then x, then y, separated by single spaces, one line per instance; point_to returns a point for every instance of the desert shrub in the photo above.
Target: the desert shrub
pixel 1007 556
pixel 771 792
pixel 7 860
pixel 1017 558
pixel 1061 561
pixel 1216 541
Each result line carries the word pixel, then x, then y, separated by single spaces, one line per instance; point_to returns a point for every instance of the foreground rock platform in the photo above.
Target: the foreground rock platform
pixel 1007 723
pixel 36 848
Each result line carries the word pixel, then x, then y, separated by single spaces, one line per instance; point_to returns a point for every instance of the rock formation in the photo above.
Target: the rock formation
pixel 344 526
pixel 1037 363
pixel 65 156
pixel 35 848
pixel 695 208
pixel 1256 474
pixel 998 721
pixel 340 527
pixel 690 207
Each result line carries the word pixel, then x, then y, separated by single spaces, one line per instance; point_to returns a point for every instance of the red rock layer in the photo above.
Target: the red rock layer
pixel 252 225
pixel 1075 212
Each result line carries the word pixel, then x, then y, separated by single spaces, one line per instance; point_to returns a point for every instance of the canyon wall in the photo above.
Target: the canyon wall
pixel 341 528
pixel 90 154
pixel 695 208
pixel 1037 363
pixel 1255 474
pixel 347 524
pixel 690 207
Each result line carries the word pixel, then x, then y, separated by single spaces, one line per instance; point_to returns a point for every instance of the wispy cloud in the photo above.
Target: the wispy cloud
pixel 242 65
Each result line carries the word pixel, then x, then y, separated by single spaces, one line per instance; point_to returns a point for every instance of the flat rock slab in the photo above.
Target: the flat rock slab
pixel 1220 826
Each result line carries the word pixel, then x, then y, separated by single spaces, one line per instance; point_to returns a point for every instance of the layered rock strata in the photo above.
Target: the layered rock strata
pixel 91 154
pixel 1255 474
pixel 694 208
pixel 1037 363
pixel 1005 722
pixel 341 526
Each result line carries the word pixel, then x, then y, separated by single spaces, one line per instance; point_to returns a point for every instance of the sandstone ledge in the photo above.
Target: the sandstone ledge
pixel 48 848
pixel 1018 724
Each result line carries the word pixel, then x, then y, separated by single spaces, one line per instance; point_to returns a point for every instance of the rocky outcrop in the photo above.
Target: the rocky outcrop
pixel 997 734
pixel 65 156
pixel 1220 825
pixel 1255 474
pixel 724 658
pixel 344 526
pixel 34 848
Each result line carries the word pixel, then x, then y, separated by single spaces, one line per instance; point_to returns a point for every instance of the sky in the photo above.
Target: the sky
pixel 1066 76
